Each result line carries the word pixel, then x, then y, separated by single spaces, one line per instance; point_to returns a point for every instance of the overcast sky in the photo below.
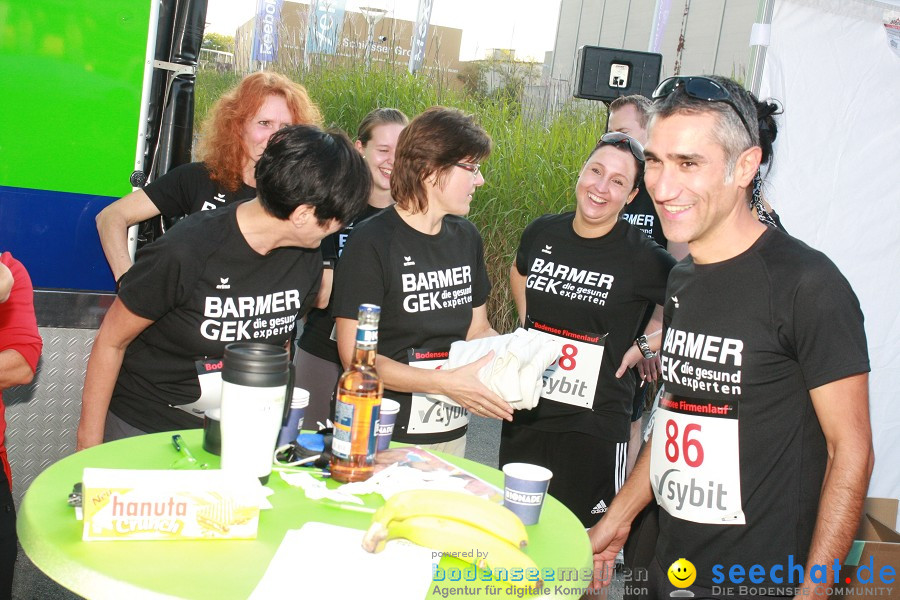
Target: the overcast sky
pixel 529 26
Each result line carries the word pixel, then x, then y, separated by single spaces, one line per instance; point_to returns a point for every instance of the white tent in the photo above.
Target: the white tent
pixel 836 174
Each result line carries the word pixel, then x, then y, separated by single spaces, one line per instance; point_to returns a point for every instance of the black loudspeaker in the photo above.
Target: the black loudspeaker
pixel 607 73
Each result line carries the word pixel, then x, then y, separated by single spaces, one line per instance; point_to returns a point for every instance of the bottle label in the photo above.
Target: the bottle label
pixel 354 430
pixel 366 335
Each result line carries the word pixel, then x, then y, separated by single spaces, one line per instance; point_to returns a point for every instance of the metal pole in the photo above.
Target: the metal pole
pixel 625 29
pixel 577 42
pixel 719 37
pixel 600 29
pixel 143 128
pixel 369 41
pixel 758 53
pixel 372 15
pixel 679 50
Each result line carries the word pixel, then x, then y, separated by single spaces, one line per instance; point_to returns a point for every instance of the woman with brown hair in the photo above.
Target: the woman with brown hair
pixel 234 136
pixel 422 262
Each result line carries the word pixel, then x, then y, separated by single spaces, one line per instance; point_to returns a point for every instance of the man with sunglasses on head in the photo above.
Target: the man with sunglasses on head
pixel 761 450
pixel 630 115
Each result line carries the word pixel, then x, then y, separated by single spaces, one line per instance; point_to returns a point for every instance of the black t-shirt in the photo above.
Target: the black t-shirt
pixel 187 189
pixel 591 288
pixel 748 337
pixel 204 287
pixel 641 213
pixel 316 338
pixel 426 286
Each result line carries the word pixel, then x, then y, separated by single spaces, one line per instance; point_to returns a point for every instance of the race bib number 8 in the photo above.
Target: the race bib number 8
pixel 572 378
pixel 695 460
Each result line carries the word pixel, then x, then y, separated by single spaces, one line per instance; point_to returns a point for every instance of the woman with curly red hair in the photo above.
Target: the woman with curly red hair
pixel 234 136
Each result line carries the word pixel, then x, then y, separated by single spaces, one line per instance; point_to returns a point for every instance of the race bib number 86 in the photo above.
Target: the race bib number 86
pixel 695 460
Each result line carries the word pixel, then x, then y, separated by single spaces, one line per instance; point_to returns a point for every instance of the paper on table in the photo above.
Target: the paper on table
pixel 318 559
pixel 410 468
pixel 316 489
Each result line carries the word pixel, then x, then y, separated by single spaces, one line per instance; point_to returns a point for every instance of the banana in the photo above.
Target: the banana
pixel 458 506
pixel 449 535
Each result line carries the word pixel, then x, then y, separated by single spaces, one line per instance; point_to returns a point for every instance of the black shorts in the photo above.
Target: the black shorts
pixel 587 471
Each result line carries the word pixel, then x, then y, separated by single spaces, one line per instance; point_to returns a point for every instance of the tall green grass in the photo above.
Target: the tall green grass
pixel 531 171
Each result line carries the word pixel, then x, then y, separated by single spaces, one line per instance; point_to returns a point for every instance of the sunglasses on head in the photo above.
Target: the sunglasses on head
pixel 701 88
pixel 620 139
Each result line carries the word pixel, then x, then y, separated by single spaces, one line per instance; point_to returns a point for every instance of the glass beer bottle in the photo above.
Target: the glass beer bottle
pixel 358 406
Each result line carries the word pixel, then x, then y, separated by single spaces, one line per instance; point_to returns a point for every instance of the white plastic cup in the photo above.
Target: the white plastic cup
pixel 386 420
pixel 524 488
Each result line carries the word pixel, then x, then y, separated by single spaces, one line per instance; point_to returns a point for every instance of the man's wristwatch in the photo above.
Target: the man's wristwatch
pixel 644 346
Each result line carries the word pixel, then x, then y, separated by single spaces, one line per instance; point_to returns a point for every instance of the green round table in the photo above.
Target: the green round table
pixel 51 536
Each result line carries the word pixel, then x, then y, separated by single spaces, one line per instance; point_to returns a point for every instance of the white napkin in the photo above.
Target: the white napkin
pixel 316 489
pixel 306 557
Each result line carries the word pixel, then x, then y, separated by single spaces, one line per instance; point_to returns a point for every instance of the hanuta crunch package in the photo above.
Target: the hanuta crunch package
pixel 121 504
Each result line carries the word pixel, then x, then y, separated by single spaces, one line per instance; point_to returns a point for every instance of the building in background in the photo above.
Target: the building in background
pixel 716 35
pixel 500 71
pixel 215 59
pixel 391 46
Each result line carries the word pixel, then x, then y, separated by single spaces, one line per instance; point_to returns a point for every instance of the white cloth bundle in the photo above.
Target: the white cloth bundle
pixel 516 371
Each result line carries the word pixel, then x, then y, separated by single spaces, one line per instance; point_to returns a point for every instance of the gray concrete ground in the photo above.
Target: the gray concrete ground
pixel 482 445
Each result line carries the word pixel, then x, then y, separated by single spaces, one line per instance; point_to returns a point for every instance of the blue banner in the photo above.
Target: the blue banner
pixel 265 36
pixel 326 20
pixel 54 235
pixel 420 35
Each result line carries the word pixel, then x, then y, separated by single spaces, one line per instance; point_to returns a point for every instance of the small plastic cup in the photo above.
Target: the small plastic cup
pixel 524 488
pixel 294 422
pixel 386 420
pixel 212 431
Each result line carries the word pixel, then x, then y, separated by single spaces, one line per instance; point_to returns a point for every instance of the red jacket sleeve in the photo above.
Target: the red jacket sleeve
pixel 18 326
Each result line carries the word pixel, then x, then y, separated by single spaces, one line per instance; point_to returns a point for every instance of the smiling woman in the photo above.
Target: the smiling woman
pixel 586 279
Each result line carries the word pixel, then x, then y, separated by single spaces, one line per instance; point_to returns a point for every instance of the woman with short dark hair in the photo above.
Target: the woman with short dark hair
pixel 423 263
pixel 246 272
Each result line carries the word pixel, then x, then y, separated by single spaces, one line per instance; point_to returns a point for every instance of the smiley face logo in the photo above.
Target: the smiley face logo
pixel 682 573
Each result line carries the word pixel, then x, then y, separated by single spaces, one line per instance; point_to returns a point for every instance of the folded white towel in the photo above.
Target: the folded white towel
pixel 516 371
